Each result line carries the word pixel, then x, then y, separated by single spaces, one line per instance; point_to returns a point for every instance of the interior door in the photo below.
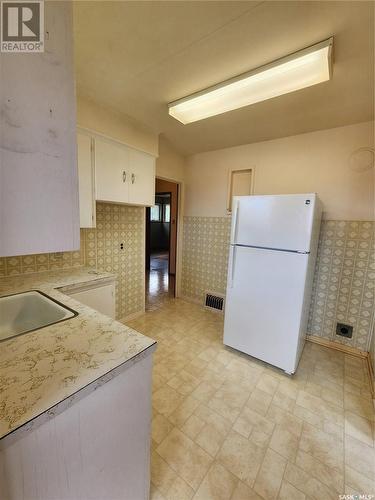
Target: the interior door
pixel 112 171
pixel 163 186
pixel 142 178
pixel 264 304
pixel 274 221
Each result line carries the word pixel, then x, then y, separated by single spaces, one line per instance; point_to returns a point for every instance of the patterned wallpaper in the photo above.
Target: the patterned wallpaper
pixel 204 255
pixel 100 247
pixel 116 224
pixel 23 264
pixel 344 280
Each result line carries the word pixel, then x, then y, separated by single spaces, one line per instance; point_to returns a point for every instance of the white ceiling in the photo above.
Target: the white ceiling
pixel 137 56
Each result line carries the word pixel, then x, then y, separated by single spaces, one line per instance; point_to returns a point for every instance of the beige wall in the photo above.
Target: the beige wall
pixel 313 162
pixel 170 164
pixel 107 122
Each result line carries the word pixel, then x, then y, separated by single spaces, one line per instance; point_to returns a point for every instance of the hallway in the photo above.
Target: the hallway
pixel 159 284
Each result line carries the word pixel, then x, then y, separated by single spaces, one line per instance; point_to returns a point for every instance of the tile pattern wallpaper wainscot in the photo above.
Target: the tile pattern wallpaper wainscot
pixel 100 248
pixel 344 281
pixel 116 224
pixel 24 264
pixel 205 256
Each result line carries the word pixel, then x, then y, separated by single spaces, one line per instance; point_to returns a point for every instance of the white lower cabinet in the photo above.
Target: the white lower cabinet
pixel 100 297
pixel 98 448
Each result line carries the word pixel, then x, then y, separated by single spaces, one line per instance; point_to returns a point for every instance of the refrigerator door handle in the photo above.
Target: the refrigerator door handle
pixel 232 263
pixel 236 208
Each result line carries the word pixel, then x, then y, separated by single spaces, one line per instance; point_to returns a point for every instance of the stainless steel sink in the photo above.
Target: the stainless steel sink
pixel 23 312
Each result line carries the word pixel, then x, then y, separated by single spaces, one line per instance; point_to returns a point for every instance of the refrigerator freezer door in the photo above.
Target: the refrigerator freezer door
pixel 264 304
pixel 274 221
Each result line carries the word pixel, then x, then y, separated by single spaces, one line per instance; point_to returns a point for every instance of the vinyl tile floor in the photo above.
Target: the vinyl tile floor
pixel 159 284
pixel 227 426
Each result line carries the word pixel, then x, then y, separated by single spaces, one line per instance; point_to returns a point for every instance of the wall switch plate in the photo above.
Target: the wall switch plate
pixel 344 330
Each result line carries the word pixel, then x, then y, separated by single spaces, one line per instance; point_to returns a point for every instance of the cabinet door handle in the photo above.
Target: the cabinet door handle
pixel 133 178
pixel 123 176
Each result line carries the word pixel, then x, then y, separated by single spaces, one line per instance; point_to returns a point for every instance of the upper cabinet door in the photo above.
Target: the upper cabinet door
pixel 112 172
pixel 86 176
pixel 121 174
pixel 142 178
pixel 39 209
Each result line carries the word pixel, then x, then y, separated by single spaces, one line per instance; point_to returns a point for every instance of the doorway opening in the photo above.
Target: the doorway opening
pixel 161 245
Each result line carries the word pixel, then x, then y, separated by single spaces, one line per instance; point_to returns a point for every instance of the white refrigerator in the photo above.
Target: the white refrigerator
pixel 273 246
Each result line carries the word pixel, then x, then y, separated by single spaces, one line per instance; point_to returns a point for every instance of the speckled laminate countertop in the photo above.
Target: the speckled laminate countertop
pixel 44 371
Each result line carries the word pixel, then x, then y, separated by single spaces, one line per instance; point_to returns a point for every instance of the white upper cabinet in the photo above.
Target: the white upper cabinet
pixel 86 177
pixel 142 178
pixel 39 209
pixel 111 171
pixel 123 174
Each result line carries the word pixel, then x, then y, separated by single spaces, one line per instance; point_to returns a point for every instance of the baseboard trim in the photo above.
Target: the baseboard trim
pixel 347 350
pixel 130 317
pixel 371 375
pixel 190 299
pixel 338 347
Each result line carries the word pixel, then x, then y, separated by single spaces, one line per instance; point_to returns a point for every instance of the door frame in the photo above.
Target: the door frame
pixel 180 205
pixel 170 226
pixel 148 231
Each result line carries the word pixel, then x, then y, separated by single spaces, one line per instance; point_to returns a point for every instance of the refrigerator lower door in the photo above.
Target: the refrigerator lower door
pixel 264 311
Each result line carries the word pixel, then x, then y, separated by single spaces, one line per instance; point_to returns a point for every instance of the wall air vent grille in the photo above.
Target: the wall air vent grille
pixel 214 301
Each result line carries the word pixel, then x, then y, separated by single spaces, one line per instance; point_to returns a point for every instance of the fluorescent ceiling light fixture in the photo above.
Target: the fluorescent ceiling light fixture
pixel 302 69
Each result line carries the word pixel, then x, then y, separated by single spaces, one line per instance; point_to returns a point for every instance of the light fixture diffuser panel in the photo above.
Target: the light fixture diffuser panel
pixel 300 70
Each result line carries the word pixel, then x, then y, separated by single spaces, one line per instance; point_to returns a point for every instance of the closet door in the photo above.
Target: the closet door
pixel 112 174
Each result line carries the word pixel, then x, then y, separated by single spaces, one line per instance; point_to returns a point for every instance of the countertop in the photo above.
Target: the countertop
pixel 43 371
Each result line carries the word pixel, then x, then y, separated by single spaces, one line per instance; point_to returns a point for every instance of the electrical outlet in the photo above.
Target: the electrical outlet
pixel 344 330
pixel 121 246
